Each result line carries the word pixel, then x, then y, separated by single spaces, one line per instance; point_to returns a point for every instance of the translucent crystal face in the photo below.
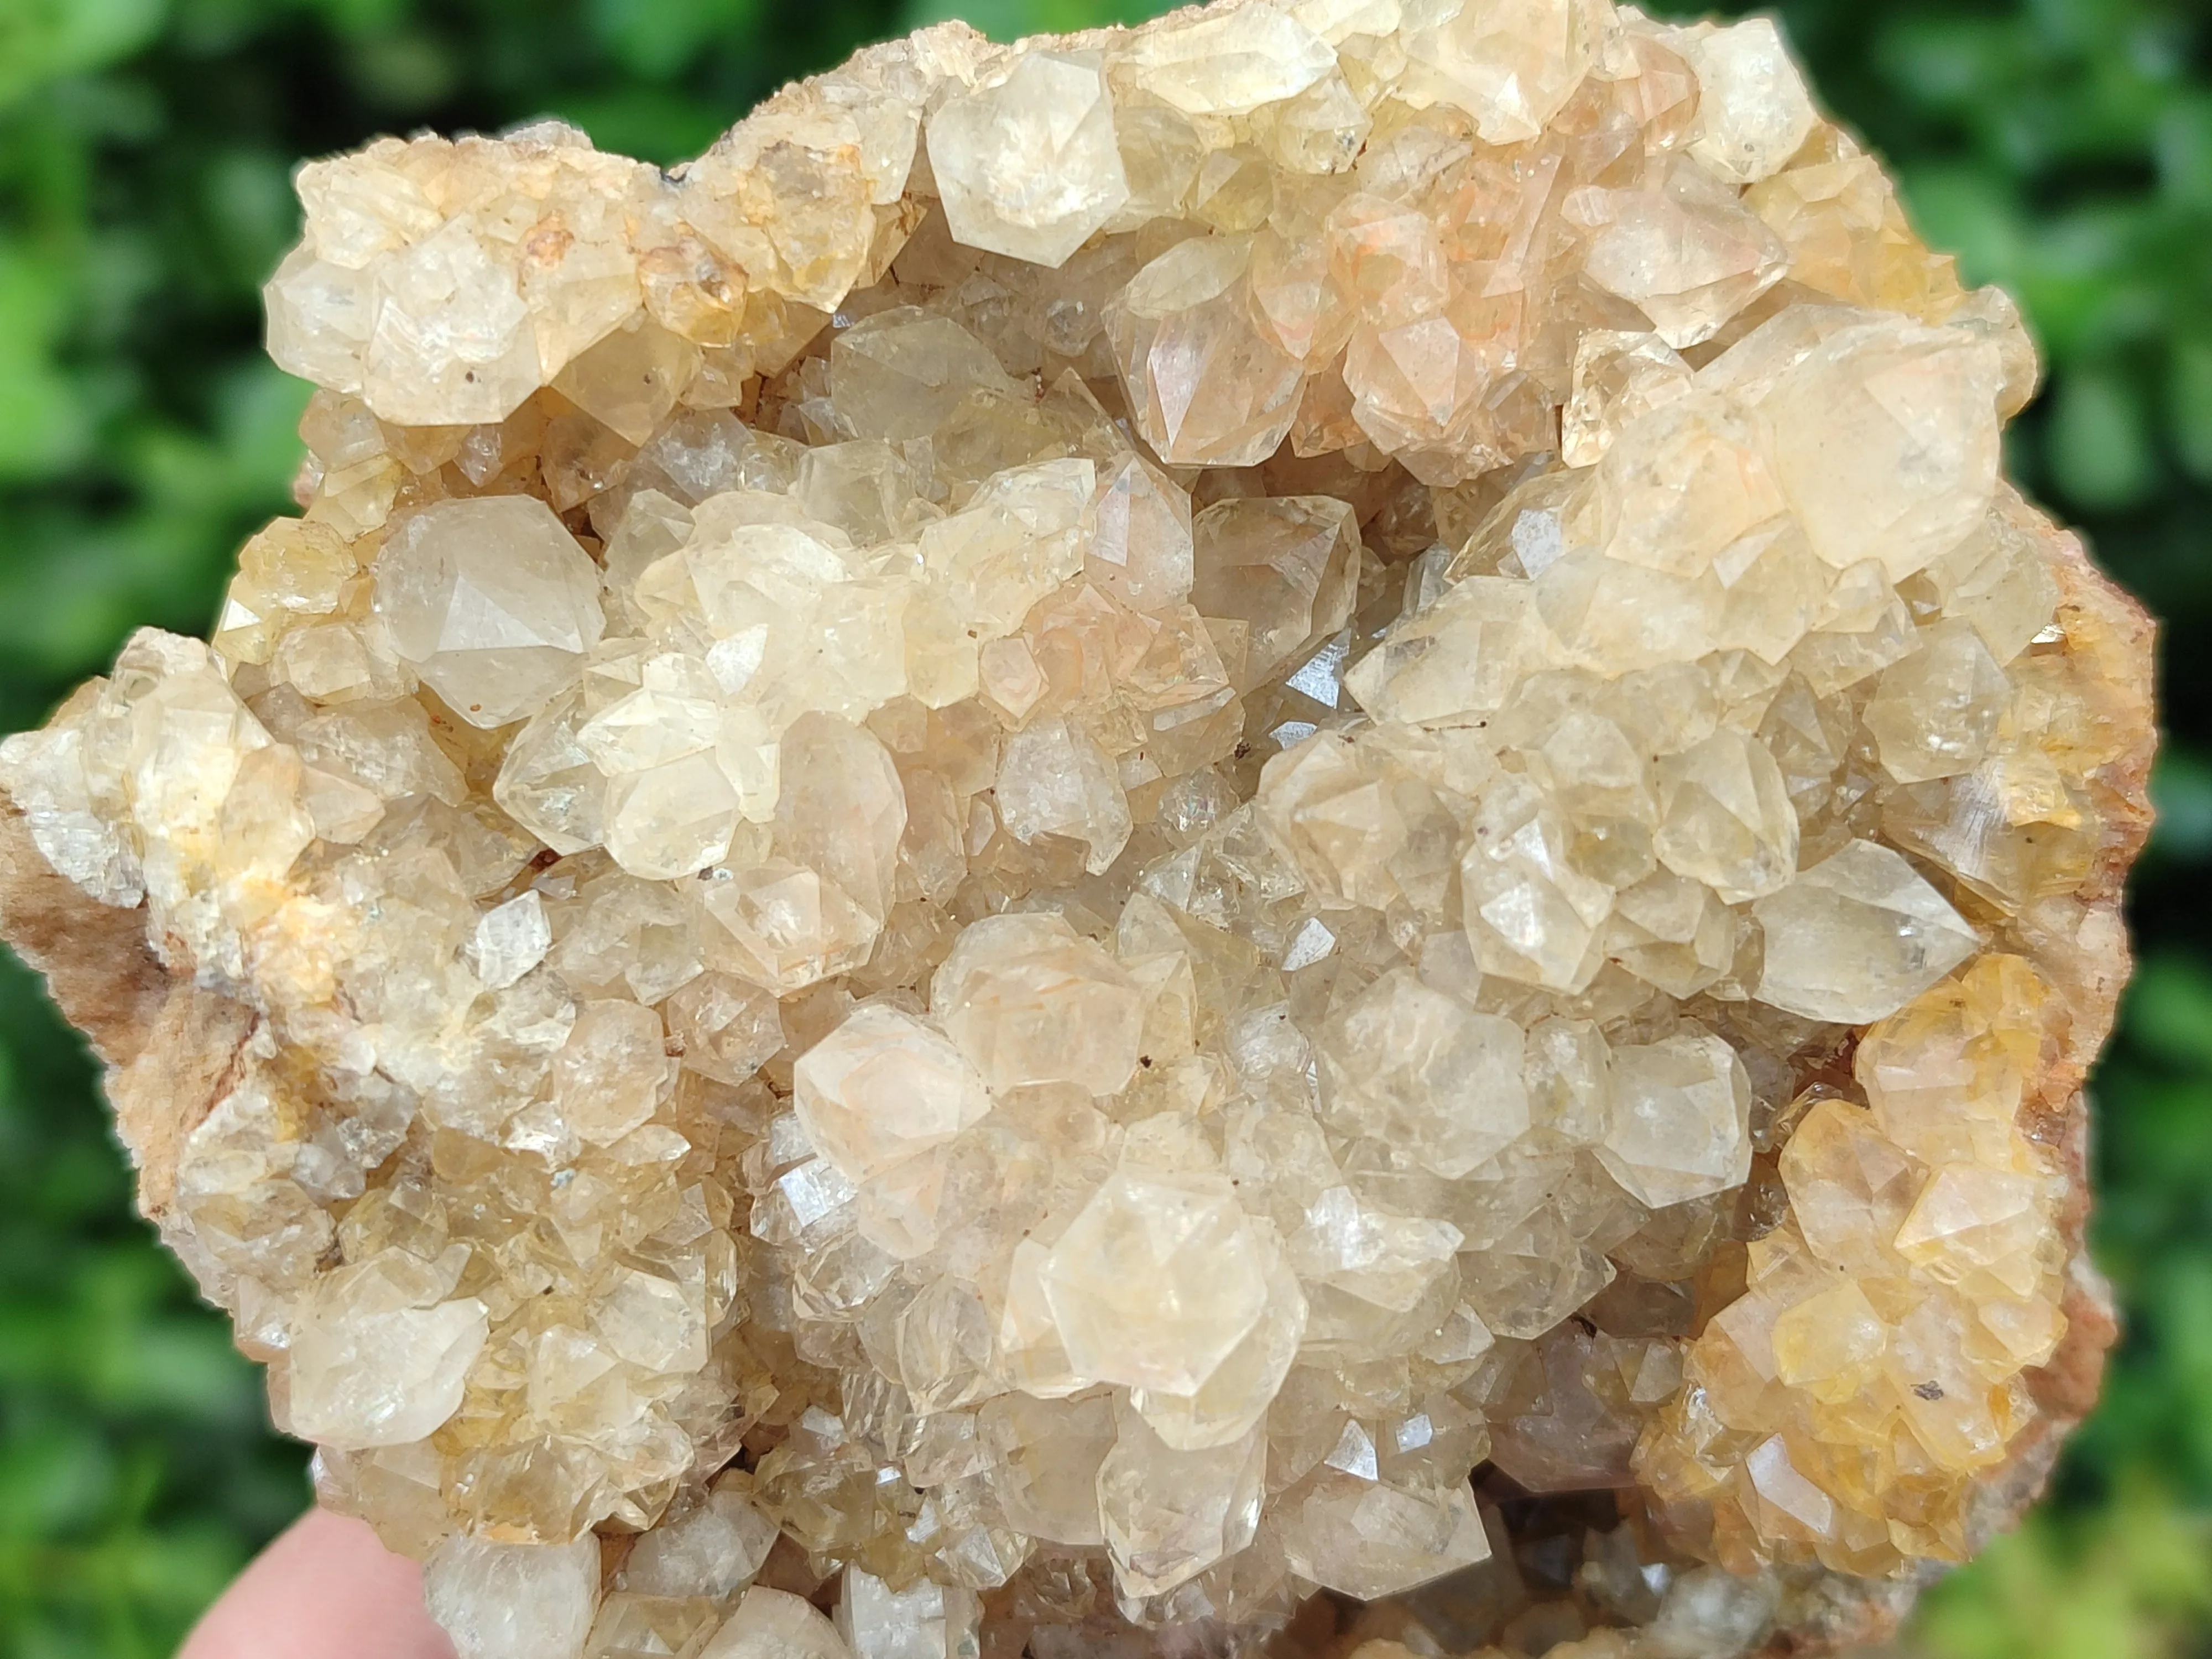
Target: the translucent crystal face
pixel 1057 833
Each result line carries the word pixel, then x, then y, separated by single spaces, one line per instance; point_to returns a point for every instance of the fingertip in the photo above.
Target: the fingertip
pixel 326 1588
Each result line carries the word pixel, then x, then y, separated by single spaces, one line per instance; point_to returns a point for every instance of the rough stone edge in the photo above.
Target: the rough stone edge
pixel 1827 1613
pixel 171 1050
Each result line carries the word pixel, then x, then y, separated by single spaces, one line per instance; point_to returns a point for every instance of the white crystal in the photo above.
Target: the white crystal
pixel 1029 168
pixel 1857 936
pixel 1031 1002
pixel 882 1087
pixel 492 602
pixel 1753 112
pixel 1679 1124
pixel 774 1624
pixel 999 842
pixel 1156 1280
pixel 380 1356
pixel 925 1620
pixel 1413 1068
pixel 1167 1514
pixel 513 1601
pixel 1230 62
pixel 511 938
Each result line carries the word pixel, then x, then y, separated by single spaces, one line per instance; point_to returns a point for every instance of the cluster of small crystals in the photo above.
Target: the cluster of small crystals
pixel 1058 830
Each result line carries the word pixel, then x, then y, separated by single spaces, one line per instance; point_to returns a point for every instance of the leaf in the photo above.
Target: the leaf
pixel 44 425
pixel 2189 403
pixel 2169 1009
pixel 41 41
pixel 656 40
pixel 2181 790
pixel 2098 446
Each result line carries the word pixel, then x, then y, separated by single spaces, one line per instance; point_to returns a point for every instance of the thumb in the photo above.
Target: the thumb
pixel 325 1589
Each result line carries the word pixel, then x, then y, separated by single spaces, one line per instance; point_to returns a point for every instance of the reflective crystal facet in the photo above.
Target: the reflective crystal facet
pixel 492 602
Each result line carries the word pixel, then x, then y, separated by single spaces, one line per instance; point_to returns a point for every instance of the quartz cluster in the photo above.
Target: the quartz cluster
pixel 1010 861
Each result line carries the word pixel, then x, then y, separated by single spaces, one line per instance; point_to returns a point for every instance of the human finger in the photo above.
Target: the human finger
pixel 325 1590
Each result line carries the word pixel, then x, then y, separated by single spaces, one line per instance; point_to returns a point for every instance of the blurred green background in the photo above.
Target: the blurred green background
pixel 2063 147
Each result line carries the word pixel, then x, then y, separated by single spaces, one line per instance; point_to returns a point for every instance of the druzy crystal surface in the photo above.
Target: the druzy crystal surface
pixel 1266 829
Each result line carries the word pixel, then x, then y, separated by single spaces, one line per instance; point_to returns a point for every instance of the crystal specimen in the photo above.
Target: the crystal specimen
pixel 1124 829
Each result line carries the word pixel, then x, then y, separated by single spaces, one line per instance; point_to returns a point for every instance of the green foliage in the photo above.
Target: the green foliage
pixel 2063 147
pixel 2131 1584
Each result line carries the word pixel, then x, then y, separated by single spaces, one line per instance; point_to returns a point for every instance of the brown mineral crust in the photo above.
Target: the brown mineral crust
pixel 2066 1386
pixel 98 969
pixel 171 1049
pixel 2122 634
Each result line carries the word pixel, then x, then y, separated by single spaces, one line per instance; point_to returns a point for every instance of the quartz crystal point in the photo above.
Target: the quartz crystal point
pixel 1121 831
